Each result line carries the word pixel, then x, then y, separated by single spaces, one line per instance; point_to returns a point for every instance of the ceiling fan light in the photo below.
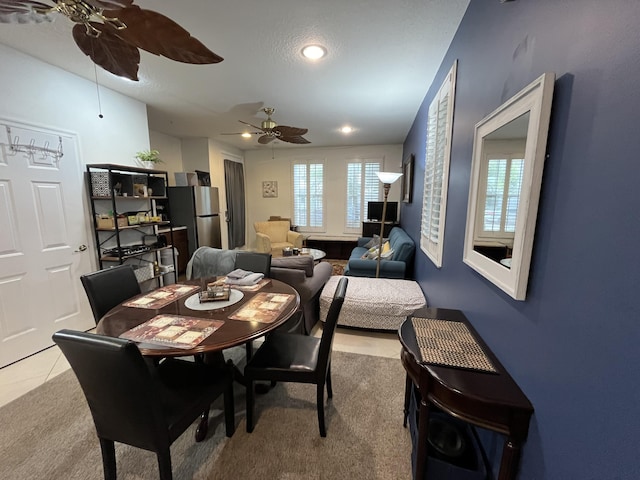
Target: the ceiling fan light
pixel 314 52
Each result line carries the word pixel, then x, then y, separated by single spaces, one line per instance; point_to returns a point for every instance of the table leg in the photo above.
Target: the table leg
pixel 217 359
pixel 203 426
pixel 423 432
pixel 510 460
pixel 408 384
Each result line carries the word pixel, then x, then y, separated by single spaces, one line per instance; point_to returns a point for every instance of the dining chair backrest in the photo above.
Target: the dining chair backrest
pixel 254 262
pixel 329 327
pixel 107 288
pixel 118 387
pixel 139 403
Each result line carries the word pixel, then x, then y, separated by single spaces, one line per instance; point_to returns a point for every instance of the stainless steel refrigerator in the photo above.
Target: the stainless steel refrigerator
pixel 198 209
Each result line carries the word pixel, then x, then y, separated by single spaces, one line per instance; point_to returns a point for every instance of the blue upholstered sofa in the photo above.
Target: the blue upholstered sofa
pixel 394 267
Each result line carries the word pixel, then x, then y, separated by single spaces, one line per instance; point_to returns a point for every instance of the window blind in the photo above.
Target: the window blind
pixel 437 153
pixel 308 195
pixel 363 186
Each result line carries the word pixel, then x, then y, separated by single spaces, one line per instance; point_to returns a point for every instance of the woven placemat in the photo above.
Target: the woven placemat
pixel 448 343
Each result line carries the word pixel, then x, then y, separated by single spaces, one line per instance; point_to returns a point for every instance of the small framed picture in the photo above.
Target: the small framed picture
pixel 270 189
pixel 407 178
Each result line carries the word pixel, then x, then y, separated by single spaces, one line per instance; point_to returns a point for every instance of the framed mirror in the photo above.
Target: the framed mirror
pixel 509 150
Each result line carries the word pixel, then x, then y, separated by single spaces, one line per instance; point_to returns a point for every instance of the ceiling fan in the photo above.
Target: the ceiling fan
pixel 110 32
pixel 270 130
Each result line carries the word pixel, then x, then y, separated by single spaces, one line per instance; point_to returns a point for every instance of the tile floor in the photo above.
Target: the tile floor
pixel 20 377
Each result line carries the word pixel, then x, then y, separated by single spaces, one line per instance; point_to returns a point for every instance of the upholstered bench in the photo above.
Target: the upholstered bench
pixel 374 303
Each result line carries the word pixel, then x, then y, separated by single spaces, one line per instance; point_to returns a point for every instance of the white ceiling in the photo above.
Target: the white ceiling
pixel 382 56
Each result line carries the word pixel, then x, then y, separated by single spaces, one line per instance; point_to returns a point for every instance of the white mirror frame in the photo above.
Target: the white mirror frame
pixel 536 99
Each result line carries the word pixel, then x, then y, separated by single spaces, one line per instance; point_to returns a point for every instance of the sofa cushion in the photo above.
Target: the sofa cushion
pixel 402 245
pixel 298 262
pixel 276 231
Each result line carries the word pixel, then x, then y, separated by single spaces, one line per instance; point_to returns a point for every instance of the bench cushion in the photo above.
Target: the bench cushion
pixel 376 303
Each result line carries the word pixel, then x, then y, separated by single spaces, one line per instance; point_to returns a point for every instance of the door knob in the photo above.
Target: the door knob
pixel 81 248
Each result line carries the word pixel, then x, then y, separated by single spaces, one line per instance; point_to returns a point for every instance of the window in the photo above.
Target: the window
pixel 500 196
pixel 436 170
pixel 308 195
pixel 363 186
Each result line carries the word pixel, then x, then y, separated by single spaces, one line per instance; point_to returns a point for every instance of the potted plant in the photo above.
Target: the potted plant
pixel 148 158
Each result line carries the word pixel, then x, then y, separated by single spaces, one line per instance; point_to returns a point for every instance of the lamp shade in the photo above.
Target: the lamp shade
pixel 388 177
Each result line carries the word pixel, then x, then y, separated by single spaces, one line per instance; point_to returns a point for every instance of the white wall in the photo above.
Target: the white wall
pixel 38 94
pixel 260 166
pixel 170 149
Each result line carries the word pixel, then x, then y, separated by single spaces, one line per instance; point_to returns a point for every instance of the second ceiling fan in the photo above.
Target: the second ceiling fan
pixel 270 130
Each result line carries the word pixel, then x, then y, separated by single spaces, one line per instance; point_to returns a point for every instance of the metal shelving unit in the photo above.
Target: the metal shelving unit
pixel 124 207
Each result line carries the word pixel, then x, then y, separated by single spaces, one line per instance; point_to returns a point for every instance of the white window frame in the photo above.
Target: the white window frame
pixel 509 152
pixel 361 214
pixel 436 171
pixel 304 226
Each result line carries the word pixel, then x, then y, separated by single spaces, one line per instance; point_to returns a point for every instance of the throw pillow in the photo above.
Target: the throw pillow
pixel 374 242
pixel 385 248
pixel 387 255
pixel 372 253
pixel 298 262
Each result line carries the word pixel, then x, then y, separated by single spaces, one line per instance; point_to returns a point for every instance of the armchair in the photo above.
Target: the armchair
pixel 273 236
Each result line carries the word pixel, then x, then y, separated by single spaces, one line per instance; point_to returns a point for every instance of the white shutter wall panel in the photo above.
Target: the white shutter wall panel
pixel 354 194
pixel 308 195
pixel 363 186
pixel 436 178
pixel 300 195
pixel 316 197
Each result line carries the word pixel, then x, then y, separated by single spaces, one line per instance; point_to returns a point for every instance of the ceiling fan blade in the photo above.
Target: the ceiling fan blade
pixel 108 51
pixel 266 139
pixel 252 126
pixel 294 139
pixel 286 131
pixel 157 34
pixel 109 4
pixel 23 11
pixel 242 133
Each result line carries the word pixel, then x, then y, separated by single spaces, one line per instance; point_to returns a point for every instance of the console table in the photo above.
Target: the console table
pixel 486 399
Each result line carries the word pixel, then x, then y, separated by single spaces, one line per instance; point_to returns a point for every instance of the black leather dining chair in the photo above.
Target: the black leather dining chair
pixel 109 287
pixel 145 406
pixel 285 357
pixel 257 263
pixel 254 262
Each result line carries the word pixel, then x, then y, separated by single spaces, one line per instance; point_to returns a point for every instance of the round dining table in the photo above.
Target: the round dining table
pixel 231 333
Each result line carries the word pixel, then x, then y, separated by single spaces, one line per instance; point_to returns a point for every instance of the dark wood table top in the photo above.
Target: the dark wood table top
pixel 490 400
pixel 234 332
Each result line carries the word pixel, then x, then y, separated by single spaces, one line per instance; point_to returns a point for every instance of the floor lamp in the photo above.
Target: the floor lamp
pixel 387 178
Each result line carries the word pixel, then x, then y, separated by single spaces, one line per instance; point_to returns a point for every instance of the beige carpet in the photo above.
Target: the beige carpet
pixel 48 433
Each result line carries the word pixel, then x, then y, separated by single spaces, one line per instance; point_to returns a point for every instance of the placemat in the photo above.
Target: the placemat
pixel 160 297
pixel 448 343
pixel 264 307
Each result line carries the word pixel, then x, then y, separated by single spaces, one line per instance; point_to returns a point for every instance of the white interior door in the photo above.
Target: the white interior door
pixel 43 240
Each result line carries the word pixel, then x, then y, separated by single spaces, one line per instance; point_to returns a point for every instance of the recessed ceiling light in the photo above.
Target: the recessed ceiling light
pixel 346 129
pixel 246 135
pixel 314 52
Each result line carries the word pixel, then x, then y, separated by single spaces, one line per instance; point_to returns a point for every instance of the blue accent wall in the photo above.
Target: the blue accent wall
pixel 574 345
